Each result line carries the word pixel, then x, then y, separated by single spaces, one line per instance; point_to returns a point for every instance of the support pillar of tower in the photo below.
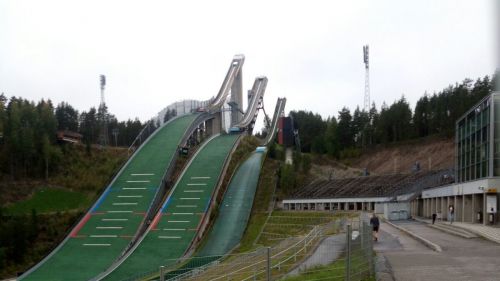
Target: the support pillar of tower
pixel 237 98
pixel 214 125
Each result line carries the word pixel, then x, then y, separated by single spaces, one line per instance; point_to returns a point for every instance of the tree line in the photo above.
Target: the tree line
pixel 350 132
pixel 28 133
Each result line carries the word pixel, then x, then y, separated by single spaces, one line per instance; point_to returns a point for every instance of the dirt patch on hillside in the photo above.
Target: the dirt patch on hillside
pixel 432 154
pixel 326 168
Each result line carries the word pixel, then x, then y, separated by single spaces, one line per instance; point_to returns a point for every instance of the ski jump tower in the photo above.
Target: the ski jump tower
pixel 236 101
pixel 233 83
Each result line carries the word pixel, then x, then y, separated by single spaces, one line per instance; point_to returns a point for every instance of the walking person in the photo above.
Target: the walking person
pixel 434 216
pixel 375 223
pixel 451 213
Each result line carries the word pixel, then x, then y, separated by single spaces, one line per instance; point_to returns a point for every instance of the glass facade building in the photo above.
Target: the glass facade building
pixel 477 141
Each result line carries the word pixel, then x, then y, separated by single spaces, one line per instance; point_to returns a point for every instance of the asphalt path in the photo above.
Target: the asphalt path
pixel 400 257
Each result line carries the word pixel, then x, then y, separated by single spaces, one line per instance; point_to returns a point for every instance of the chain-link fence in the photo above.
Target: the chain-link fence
pixel 340 249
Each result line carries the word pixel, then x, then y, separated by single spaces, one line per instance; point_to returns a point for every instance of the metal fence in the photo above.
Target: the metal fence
pixel 338 250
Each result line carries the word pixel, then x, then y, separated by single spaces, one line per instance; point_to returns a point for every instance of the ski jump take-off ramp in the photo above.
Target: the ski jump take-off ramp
pixel 141 220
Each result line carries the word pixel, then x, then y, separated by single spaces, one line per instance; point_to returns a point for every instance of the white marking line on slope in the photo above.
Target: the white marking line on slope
pixel 142 174
pixel 193 191
pixel 189 198
pixel 140 181
pixel 186 206
pixel 169 237
pixel 109 227
pixel 120 204
pixel 103 236
pixel 175 229
pixel 178 221
pixel 133 188
pixel 114 219
pixel 129 196
pixel 200 178
pixel 104 245
pixel 182 213
pixel 196 184
pixel 119 211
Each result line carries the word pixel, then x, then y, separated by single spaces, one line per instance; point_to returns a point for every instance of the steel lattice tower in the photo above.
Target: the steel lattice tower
pixel 367 78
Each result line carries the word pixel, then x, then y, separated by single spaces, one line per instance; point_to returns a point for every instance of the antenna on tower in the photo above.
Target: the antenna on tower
pixel 367 78
pixel 103 115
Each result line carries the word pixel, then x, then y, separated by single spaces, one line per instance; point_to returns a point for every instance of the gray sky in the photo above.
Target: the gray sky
pixel 157 52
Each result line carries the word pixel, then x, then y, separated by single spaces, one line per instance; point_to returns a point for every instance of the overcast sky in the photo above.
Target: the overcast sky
pixel 157 52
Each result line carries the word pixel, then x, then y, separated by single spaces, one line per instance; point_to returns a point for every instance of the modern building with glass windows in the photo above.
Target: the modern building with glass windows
pixel 477 149
pixel 475 194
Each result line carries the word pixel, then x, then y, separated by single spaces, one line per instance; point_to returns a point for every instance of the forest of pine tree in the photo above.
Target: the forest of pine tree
pixel 349 132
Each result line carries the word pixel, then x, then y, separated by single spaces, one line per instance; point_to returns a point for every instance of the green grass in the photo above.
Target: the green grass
pixel 47 200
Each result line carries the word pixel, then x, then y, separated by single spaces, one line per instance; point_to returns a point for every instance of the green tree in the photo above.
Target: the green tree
pixel 345 132
pixel 311 129
pixel 331 138
pixel 67 117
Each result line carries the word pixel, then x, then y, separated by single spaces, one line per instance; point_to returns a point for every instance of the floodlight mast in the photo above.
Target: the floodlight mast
pixel 103 135
pixel 103 84
pixel 366 60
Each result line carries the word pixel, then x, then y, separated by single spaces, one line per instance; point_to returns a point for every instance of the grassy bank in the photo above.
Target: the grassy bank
pixel 36 214
pixel 50 200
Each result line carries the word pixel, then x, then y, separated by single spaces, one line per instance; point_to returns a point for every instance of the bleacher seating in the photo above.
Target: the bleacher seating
pixel 374 186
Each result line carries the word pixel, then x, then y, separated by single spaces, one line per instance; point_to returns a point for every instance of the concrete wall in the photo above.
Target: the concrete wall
pixel 396 211
pixel 379 208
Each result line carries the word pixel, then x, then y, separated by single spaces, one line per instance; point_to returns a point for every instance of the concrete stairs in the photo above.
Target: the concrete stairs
pixel 487 232
pixel 450 229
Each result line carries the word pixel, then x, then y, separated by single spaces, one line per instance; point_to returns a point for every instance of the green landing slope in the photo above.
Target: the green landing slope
pixel 233 216
pixel 108 228
pixel 235 209
pixel 176 225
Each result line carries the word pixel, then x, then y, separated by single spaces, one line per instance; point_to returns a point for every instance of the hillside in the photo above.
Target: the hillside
pixel 432 153
pixel 36 214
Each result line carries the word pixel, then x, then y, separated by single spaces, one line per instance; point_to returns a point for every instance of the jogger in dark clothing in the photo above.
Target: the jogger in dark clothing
pixel 434 218
pixel 375 223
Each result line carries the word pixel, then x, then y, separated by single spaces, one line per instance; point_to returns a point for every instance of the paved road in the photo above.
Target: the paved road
pixel 462 259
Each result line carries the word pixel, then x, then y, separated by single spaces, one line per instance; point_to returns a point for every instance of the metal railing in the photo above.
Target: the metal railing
pixel 338 250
